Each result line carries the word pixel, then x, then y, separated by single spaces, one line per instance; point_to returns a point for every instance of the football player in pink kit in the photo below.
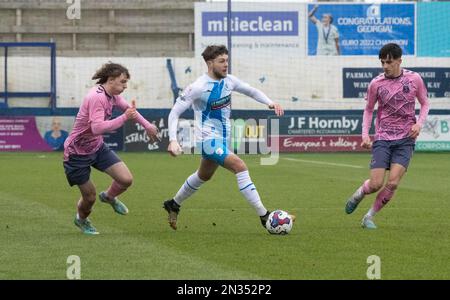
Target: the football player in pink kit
pixel 84 148
pixel 396 129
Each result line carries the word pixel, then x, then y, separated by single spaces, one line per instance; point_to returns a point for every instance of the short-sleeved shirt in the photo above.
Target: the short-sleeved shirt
pixel 326 39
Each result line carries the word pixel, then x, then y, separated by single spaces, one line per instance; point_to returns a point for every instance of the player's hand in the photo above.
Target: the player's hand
pixel 174 148
pixel 131 113
pixel 278 109
pixel 153 133
pixel 415 131
pixel 366 143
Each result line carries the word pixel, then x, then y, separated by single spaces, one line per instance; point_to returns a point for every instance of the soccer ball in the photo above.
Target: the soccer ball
pixel 279 222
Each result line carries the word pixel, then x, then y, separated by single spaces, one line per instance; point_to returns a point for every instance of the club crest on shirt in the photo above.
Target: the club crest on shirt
pixel 405 83
pixel 406 88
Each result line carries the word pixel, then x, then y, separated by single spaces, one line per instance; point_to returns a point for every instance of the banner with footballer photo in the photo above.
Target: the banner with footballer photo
pixel 361 29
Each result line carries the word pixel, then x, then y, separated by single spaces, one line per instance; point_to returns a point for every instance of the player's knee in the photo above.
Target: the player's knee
pixel 239 166
pixel 392 185
pixel 375 186
pixel 127 181
pixel 205 176
pixel 90 196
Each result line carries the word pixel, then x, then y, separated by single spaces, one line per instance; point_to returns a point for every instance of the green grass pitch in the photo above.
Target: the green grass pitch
pixel 219 235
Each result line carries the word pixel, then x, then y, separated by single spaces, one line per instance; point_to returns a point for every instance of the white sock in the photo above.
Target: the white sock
pixel 371 213
pixel 190 186
pixel 250 193
pixel 79 218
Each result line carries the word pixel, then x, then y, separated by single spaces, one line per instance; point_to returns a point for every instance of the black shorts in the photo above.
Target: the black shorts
pixel 78 167
pixel 385 153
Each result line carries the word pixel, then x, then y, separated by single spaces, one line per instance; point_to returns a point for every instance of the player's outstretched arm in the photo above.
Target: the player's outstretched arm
pixel 150 129
pixel 97 118
pixel 278 109
pixel 311 14
pixel 244 88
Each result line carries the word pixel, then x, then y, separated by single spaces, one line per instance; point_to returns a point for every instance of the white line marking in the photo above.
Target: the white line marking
pixel 323 163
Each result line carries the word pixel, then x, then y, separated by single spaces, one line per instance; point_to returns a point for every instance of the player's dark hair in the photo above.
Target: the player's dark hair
pixel 390 50
pixel 110 70
pixel 212 51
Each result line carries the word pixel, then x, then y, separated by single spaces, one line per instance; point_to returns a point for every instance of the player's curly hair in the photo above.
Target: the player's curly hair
pixel 212 51
pixel 110 70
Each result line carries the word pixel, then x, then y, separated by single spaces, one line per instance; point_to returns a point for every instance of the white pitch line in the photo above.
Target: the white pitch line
pixel 323 163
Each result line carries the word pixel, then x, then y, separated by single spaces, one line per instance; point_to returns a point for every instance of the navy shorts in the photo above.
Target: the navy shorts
pixel 78 167
pixel 385 153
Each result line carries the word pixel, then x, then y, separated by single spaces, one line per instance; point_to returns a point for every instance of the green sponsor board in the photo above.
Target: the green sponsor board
pixel 435 134
pixel 433 146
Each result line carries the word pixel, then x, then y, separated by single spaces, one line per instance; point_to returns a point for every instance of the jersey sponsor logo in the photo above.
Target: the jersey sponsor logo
pixel 221 103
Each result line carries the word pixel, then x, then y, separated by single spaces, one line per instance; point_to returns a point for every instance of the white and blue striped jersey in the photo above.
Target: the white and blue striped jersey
pixel 210 100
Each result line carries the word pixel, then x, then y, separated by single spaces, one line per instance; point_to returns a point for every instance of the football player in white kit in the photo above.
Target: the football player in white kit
pixel 210 98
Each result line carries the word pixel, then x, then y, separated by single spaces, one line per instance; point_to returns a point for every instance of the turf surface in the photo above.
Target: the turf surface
pixel 219 236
